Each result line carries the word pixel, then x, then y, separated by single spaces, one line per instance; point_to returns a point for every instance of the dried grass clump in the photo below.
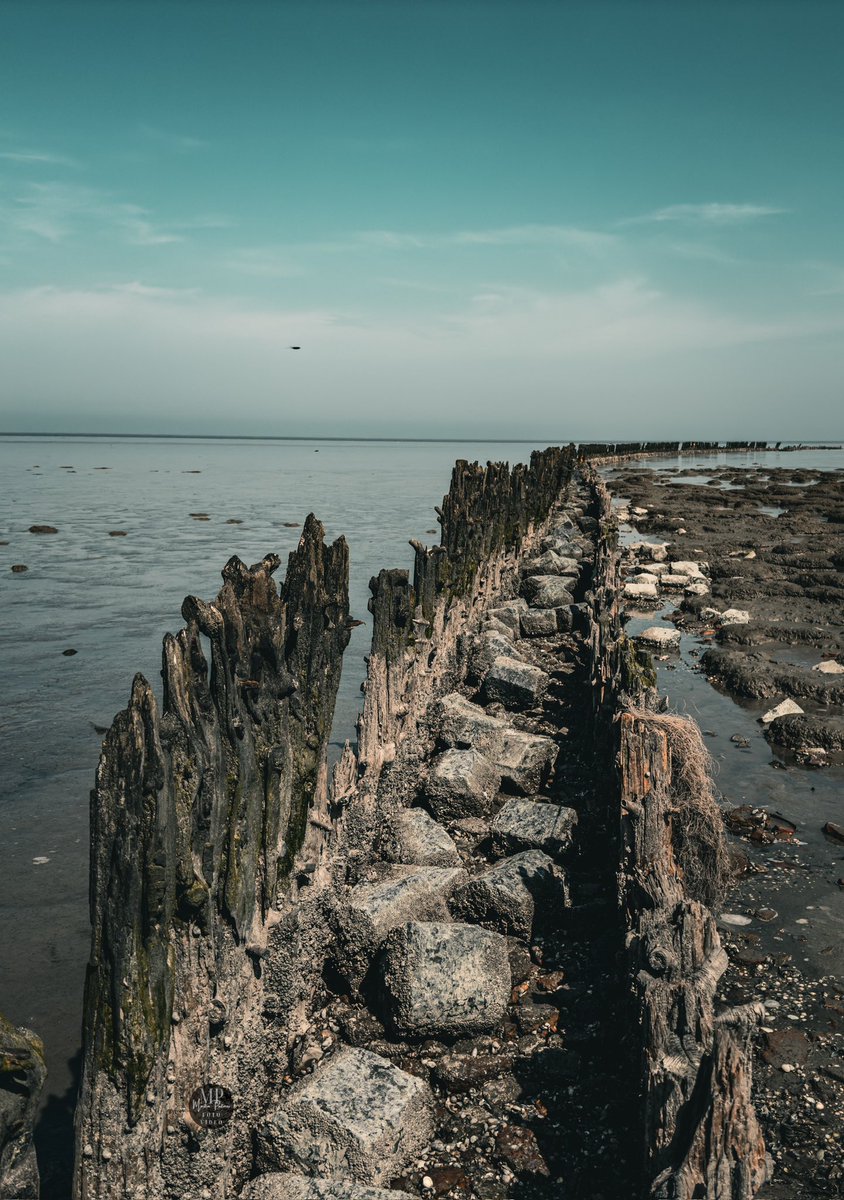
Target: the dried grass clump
pixel 698 836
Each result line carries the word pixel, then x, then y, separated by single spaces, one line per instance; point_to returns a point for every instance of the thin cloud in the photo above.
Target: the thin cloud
pixel 179 143
pixel 706 214
pixel 39 158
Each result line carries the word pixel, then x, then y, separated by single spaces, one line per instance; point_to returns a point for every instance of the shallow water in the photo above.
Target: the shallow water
pixel 113 598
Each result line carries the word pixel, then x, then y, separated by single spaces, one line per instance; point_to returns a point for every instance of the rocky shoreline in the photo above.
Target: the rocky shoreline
pixel 766 630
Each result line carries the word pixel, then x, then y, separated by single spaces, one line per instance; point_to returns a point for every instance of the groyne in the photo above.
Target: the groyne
pixel 482 958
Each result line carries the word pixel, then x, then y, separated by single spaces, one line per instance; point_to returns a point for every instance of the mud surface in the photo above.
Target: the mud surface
pixel 769 542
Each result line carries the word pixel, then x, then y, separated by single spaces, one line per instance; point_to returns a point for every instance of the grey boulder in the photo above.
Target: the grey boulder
pixel 413 837
pixel 550 562
pixel 445 978
pixel 533 825
pixel 548 591
pixel 285 1185
pixel 506 896
pixel 461 783
pixel 522 760
pixel 514 683
pixel 546 622
pixel 357 1116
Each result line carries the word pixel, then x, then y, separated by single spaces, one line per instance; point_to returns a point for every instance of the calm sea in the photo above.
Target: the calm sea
pixel 111 599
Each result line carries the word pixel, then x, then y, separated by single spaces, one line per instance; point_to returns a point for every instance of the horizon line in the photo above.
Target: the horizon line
pixel 276 437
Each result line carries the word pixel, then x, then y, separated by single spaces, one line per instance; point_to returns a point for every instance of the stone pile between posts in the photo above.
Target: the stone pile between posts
pixel 358 961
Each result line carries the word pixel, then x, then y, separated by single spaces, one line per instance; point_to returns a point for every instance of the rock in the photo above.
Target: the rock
pixel 548 591
pixel 674 582
pixel 357 1114
pixel 69 653
pixel 43 529
pixel 441 1180
pixel 734 919
pixel 536 1018
pixel 414 838
pixel 461 783
pixel 287 1186
pixel 517 1146
pixel 734 616
pixel 682 567
pixel 533 825
pixel 487 647
pixel 19 568
pixel 522 760
pixel 22 1074
pixel 117 533
pixel 563 546
pixel 550 563
pixel 641 591
pixel 545 622
pixel 646 577
pixel 829 667
pixel 834 831
pixel 461 1069
pixel 514 683
pixel 661 637
pixel 445 978
pixel 654 551
pixel 697 589
pixel 509 613
pixel 372 910
pixel 507 895
pixel 785 1046
pixel 785 708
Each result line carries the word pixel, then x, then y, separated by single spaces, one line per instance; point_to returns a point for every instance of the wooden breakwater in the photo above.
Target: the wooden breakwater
pixel 242 904
pixel 699 1134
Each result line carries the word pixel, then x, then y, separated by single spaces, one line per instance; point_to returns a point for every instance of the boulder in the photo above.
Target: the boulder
pixel 660 637
pixel 514 683
pixel 829 667
pixel 697 588
pixel 533 825
pixel 523 760
pixel 508 613
pixel 549 562
pixel 372 910
pixel 288 1186
pixel 543 622
pixel 445 978
pixel 641 591
pixel 785 708
pixel 674 582
pixel 684 567
pixel 486 648
pixel 461 783
pixel 415 838
pixel 735 616
pixel 506 896
pixel 548 591
pixel 563 545
pixel 357 1115
pixel 645 577
pixel 652 551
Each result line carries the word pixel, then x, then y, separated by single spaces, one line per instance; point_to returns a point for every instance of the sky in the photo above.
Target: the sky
pixel 527 219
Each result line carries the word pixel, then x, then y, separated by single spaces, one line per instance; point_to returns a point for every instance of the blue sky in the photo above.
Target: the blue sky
pixel 541 219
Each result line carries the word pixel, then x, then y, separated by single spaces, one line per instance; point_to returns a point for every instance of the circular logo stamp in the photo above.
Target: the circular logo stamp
pixel 211 1106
